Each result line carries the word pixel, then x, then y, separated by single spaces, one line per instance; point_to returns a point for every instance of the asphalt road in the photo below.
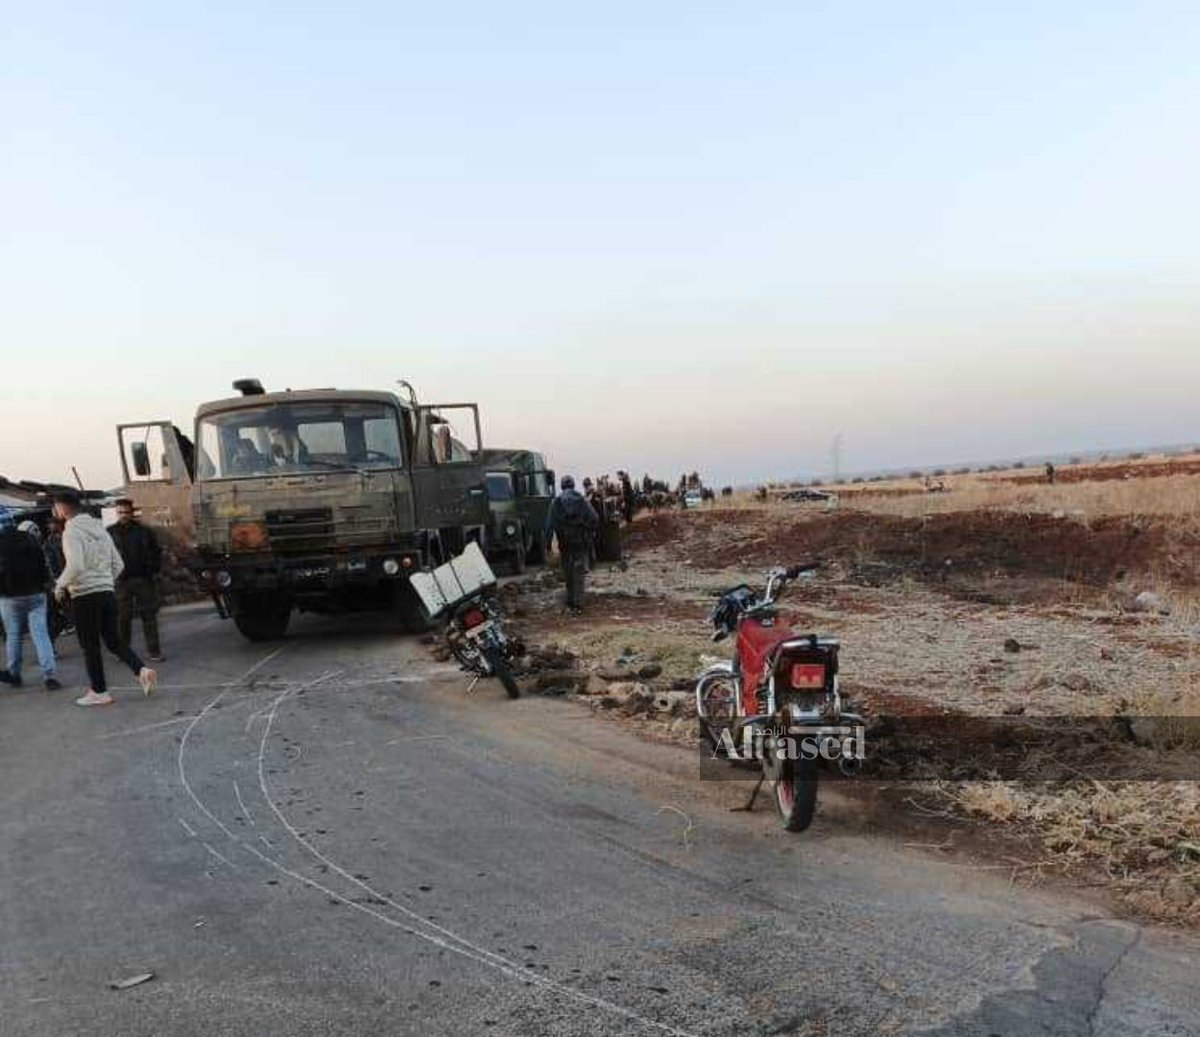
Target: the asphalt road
pixel 328 836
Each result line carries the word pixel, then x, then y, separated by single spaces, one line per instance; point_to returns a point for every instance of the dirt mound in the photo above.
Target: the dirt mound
pixel 935 547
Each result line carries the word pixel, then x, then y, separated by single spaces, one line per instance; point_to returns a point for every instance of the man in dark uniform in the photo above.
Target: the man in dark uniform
pixel 573 521
pixel 136 586
pixel 628 497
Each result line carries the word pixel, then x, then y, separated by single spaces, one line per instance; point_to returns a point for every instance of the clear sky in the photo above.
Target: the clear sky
pixel 660 236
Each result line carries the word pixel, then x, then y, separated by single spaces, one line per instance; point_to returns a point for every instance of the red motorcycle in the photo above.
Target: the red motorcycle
pixel 777 702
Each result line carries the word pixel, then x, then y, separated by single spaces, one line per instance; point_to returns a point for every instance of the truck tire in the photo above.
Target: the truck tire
pixel 261 617
pixel 518 560
pixel 413 617
pixel 537 550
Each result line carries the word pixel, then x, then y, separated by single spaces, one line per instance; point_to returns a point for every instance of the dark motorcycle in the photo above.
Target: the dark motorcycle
pixel 476 638
pixel 462 593
pixel 779 691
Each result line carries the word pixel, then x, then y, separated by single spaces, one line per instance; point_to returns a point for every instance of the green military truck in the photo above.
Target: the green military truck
pixel 320 500
pixel 520 491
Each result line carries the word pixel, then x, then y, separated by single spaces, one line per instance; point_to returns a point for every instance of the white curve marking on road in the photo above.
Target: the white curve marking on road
pixel 305 880
pixel 144 727
pixel 242 804
pixel 467 949
pixel 224 860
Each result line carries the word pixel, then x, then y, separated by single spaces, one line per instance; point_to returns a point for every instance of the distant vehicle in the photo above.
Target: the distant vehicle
pixel 693 499
pixel 322 500
pixel 520 491
pixel 806 495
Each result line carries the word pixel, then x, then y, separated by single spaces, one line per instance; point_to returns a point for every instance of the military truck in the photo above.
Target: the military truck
pixel 321 500
pixel 520 491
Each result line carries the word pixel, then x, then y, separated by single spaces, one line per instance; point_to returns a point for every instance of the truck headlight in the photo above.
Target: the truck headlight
pixel 249 536
pixel 391 566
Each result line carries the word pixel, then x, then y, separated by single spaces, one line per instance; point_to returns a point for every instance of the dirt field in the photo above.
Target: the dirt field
pixel 981 611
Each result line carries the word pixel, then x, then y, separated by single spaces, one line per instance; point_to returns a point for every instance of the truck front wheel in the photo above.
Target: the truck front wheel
pixel 261 616
pixel 537 551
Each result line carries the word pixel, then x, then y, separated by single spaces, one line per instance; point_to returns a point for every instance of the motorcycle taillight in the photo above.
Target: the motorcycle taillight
pixel 807 676
pixel 808 667
pixel 472 618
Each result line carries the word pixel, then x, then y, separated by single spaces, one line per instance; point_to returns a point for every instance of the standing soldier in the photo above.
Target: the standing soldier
pixel 573 521
pixel 591 495
pixel 627 496
pixel 136 588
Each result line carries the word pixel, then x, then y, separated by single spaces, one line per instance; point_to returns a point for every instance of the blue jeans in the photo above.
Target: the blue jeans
pixel 19 615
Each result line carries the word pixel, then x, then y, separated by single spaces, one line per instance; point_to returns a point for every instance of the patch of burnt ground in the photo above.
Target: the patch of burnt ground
pixel 941 548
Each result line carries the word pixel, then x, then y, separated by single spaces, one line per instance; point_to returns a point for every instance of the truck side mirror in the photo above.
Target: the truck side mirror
pixel 141 458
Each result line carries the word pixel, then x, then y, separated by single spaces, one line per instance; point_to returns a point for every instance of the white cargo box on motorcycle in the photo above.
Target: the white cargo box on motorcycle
pixel 449 584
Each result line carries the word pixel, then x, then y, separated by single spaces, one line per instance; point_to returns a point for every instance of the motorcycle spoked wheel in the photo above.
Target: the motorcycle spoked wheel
pixel 719 701
pixel 500 670
pixel 468 658
pixel 795 784
pixel 487 662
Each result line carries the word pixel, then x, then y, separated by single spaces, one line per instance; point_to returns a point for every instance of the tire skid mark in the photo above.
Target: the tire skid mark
pixel 467 949
pixel 237 792
pixel 440 936
pixel 221 857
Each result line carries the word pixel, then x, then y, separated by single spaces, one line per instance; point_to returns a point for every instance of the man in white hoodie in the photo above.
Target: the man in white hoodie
pixel 92 566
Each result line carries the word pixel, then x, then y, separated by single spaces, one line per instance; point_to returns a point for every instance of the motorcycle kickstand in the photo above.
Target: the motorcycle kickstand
pixel 753 796
pixel 471 686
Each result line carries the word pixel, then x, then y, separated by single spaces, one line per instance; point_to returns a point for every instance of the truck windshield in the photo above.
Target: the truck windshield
pixel 298 437
pixel 499 486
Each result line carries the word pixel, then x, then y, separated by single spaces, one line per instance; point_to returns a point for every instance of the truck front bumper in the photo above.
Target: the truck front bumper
pixel 308 575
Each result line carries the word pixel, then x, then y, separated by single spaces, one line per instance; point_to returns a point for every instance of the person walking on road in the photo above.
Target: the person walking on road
pixel 92 565
pixel 573 521
pixel 136 588
pixel 24 578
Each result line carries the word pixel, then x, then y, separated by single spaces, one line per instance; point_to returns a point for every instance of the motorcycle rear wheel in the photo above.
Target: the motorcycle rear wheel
pixel 796 793
pixel 501 671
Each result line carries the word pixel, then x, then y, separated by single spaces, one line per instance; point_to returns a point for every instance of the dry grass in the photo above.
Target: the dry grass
pixel 1122 487
pixel 1144 835
pixel 1174 496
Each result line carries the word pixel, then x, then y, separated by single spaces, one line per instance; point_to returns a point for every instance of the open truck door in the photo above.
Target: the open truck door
pixel 158 463
pixel 448 472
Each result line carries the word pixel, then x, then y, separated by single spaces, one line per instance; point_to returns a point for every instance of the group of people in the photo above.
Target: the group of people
pixel 102 575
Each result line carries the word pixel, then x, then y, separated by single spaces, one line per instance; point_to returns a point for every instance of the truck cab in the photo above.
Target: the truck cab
pixel 321 500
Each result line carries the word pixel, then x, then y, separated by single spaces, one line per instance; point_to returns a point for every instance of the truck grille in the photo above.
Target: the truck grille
pixel 301 530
